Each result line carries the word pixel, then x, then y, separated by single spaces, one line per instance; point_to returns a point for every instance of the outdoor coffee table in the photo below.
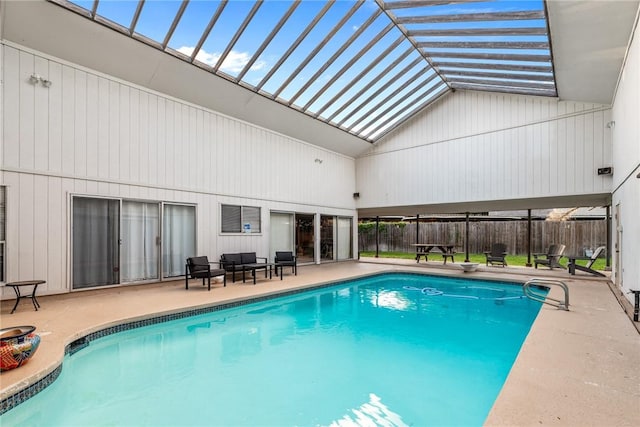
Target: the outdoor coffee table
pixel 16 287
pixel 257 266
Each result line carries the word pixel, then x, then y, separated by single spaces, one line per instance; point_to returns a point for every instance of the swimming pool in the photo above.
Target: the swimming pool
pixel 392 349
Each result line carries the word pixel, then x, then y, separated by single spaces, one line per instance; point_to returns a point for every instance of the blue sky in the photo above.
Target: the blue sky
pixel 157 15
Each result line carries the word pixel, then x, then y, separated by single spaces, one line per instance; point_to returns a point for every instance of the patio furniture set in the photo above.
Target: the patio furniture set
pixel 201 268
pixel 498 252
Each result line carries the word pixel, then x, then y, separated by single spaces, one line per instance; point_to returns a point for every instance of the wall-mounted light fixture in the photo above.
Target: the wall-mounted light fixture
pixel 611 124
pixel 34 79
pixel 605 171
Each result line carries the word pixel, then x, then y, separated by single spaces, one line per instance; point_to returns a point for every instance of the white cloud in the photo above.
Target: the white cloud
pixel 187 50
pixel 233 63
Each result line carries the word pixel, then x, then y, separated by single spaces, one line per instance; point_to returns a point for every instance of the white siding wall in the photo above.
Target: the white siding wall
pixel 91 134
pixel 474 146
pixel 626 163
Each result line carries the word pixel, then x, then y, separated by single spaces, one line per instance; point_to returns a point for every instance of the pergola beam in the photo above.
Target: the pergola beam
pixel 483 45
pixel 462 32
pixel 455 74
pixel 527 15
pixel 504 89
pixel 420 3
pixel 491 56
pixel 489 66
pixel 512 84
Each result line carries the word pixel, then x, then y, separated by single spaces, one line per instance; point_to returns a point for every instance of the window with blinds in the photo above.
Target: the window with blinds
pixel 240 219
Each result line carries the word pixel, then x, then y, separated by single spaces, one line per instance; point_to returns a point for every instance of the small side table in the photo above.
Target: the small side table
pixel 16 287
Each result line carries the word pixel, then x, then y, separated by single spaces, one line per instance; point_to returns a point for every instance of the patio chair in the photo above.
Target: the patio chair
pixel 551 258
pixel 285 259
pixel 497 254
pixel 199 267
pixel 232 263
pixel 573 265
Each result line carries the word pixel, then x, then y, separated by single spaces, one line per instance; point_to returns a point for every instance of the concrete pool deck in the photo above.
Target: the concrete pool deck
pixel 579 367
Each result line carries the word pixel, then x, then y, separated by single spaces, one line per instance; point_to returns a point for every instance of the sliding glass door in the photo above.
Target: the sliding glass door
pixel 327 238
pixel 282 238
pixel 305 238
pixel 140 240
pixel 179 234
pixel 118 241
pixel 345 238
pixel 96 248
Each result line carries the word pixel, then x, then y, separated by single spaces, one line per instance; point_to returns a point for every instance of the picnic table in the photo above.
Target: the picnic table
pixel 445 249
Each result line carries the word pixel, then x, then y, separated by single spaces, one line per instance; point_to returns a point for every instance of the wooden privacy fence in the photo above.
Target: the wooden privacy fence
pixel 398 237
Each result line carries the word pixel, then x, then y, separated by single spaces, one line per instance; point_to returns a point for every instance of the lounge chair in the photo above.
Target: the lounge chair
pixel 573 265
pixel 497 254
pixel 199 267
pixel 285 259
pixel 551 258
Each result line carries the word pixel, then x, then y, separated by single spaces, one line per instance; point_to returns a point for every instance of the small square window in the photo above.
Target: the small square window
pixel 240 219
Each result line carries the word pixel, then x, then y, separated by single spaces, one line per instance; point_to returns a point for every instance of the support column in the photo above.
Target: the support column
pixel 466 240
pixel 377 235
pixel 608 257
pixel 417 229
pixel 528 238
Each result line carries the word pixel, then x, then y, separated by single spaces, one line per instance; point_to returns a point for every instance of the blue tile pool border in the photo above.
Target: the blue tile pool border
pixel 25 394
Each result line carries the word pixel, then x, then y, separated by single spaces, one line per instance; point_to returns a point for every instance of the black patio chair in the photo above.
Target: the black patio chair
pixel 199 267
pixel 285 259
pixel 497 254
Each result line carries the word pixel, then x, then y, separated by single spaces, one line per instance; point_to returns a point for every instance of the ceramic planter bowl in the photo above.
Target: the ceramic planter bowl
pixel 17 346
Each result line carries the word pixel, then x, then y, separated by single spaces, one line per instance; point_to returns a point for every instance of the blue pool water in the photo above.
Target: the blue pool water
pixel 390 350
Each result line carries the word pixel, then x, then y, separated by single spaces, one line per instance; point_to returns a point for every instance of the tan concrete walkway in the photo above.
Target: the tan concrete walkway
pixel 576 368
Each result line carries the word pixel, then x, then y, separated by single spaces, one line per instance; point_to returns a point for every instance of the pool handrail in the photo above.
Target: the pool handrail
pixel 529 293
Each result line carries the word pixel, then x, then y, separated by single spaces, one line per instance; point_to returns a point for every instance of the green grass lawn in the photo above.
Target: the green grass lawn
pixel 512 260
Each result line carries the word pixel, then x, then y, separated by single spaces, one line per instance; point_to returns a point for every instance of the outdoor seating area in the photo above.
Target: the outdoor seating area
pixel 201 268
pixel 243 262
